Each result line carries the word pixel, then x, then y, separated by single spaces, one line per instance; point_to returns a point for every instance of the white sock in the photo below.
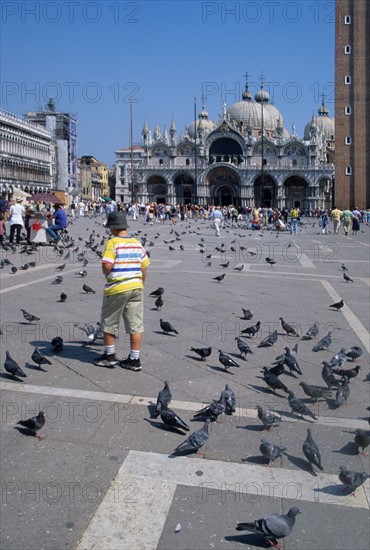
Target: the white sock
pixel 134 354
pixel 110 350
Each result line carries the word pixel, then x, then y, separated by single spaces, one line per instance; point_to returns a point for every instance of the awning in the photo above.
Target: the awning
pixel 19 193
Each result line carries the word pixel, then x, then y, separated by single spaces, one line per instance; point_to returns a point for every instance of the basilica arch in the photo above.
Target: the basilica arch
pixel 157 188
pixel 184 188
pixel 265 191
pixel 296 192
pixel 224 186
pixel 226 150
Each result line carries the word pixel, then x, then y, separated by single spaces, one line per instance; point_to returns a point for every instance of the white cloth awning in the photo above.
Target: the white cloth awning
pixel 19 193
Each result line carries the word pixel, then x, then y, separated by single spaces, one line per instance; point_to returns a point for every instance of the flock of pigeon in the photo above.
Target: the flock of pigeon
pixel 334 374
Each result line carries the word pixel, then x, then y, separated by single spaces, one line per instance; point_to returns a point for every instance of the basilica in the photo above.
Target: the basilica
pixel 247 159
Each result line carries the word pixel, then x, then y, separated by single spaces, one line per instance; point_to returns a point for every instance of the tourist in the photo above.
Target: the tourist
pixel 124 265
pixel 324 222
pixel 17 213
pixel 217 218
pixel 60 222
pixel 336 215
pixel 294 220
pixel 347 217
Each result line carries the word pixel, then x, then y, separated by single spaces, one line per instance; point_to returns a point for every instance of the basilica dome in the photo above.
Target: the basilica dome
pixel 249 112
pixel 324 123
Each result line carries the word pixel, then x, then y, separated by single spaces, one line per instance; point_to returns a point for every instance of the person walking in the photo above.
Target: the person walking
pixel 217 218
pixel 324 222
pixel 347 217
pixel 336 215
pixel 356 221
pixel 124 265
pixel 17 214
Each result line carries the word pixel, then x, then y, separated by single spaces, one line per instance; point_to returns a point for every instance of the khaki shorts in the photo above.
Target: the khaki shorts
pixel 126 305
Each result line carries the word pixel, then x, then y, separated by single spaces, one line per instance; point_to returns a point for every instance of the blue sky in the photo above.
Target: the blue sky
pixel 93 55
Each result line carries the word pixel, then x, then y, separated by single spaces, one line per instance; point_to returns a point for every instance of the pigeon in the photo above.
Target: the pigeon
pixel 157 292
pixel 214 410
pixel 219 278
pixel 97 334
pixel 164 398
pixel 347 278
pixel 362 441
pixel 252 330
pixel 243 347
pixel 343 383
pixel 270 261
pixel 312 332
pixel 314 391
pixel 159 303
pixel 337 305
pixel 298 406
pixel 349 373
pixel 226 360
pixel 57 280
pixel 343 267
pixel 273 381
pixel 167 327
pixel 266 417
pixel 324 343
pixel 226 264
pixel 352 479
pixel 170 418
pixel 355 353
pixel 339 359
pixel 14 269
pixel 239 267
pixel 287 328
pixel 63 297
pixel 24 267
pixel 87 328
pixel 60 267
pixel 271 451
pixel 248 314
pixel 269 340
pixel 202 352
pixel 12 367
pixel 230 400
pixel 82 274
pixel 29 317
pixel 88 289
pixel 196 440
pixel 328 376
pixel 35 424
pixel 39 359
pixel 339 398
pixel 57 344
pixel 273 527
pixel 311 451
pixel 291 362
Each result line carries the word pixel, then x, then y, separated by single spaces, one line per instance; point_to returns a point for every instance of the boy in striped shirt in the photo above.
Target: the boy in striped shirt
pixel 124 265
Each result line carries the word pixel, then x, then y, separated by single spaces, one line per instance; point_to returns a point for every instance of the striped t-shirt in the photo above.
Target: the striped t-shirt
pixel 128 256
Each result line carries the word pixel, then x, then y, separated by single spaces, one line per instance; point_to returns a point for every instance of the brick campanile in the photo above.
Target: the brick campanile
pixel 352 104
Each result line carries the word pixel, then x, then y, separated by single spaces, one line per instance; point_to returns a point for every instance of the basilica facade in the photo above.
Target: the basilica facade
pixel 247 159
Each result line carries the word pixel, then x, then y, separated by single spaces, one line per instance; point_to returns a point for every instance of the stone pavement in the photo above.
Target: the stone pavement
pixel 103 477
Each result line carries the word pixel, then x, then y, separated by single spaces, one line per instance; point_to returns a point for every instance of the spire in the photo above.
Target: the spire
pixel 173 133
pixel 157 133
pixel 165 135
pixel 51 104
pixel 145 131
pixel 173 126
pixel 323 111
pixel 203 113
pixel 246 95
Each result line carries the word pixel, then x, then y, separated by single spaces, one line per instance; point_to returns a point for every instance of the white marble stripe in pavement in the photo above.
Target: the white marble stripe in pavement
pixel 137 521
pixel 28 283
pixel 305 261
pixel 351 318
pixel 241 413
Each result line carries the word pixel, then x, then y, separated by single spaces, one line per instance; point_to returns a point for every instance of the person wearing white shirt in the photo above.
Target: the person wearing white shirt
pixel 217 218
pixel 17 213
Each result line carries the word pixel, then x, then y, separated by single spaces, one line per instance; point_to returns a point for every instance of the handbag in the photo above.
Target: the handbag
pixel 36 226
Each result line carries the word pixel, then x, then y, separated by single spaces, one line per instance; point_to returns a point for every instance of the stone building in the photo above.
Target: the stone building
pixel 247 158
pixel 63 128
pixel 352 103
pixel 27 155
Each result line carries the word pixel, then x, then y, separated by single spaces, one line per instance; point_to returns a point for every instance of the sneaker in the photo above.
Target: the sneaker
pixel 131 364
pixel 106 361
